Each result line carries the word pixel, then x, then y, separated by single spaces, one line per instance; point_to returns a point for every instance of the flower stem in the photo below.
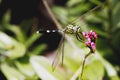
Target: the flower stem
pixel 81 69
pixel 83 64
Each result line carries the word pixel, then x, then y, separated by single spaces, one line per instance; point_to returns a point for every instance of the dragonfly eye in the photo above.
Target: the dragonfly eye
pixel 78 29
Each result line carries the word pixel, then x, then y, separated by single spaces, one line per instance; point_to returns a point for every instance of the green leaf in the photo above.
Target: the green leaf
pixel 11 73
pixel 38 49
pixel 111 72
pixel 94 71
pixel 26 69
pixel 96 2
pixel 44 69
pixel 11 27
pixel 5 41
pixel 17 31
pixel 11 47
pixel 116 17
pixel 73 2
pixel 32 39
pixel 6 17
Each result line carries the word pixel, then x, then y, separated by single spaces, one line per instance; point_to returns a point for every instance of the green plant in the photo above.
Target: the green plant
pixel 19 61
pixel 14 50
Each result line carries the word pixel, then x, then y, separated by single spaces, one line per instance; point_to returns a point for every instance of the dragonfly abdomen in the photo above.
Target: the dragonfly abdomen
pixel 48 31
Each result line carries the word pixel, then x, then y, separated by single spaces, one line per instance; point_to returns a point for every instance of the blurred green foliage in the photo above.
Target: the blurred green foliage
pixel 17 62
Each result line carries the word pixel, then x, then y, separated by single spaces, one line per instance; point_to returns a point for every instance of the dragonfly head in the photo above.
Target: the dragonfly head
pixel 72 29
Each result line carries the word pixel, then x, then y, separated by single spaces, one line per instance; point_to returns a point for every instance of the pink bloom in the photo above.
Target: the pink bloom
pixel 85 35
pixel 93 46
pixel 89 40
pixel 95 35
pixel 91 37
pixel 87 43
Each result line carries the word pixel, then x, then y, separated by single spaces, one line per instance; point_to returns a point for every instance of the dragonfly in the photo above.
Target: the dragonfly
pixel 69 29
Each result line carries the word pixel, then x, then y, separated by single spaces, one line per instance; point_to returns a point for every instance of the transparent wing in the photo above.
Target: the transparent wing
pixel 81 17
pixel 63 44
pixel 59 52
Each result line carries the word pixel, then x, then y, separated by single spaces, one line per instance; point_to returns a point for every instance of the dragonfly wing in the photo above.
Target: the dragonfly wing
pixel 57 56
pixel 63 44
pixel 56 60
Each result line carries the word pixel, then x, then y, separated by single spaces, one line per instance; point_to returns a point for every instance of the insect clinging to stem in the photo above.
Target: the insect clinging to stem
pixel 69 29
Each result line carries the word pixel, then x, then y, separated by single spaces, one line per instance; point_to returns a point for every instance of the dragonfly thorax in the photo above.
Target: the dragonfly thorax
pixel 72 29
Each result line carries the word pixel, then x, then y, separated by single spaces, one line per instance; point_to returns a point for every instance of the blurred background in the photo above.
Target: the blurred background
pixel 26 55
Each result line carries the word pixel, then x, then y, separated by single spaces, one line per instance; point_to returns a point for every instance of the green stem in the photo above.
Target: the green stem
pixel 81 69
pixel 83 64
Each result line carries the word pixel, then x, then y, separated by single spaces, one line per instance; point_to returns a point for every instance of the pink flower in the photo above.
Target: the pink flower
pixel 91 37
pixel 87 43
pixel 93 46
pixel 89 40
pixel 85 35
